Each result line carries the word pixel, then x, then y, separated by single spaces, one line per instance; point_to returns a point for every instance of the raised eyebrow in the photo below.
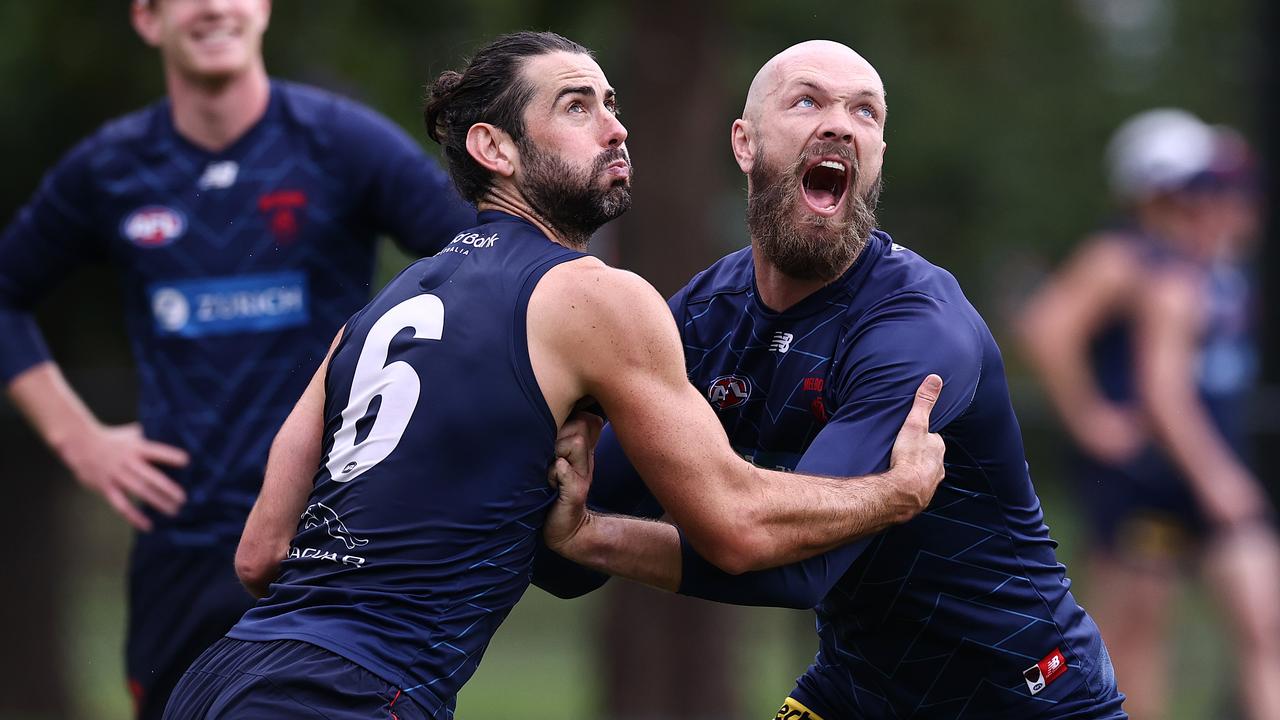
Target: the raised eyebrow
pixel 811 86
pixel 870 95
pixel 584 90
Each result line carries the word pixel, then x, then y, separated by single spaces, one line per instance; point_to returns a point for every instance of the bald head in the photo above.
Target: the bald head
pixel 823 58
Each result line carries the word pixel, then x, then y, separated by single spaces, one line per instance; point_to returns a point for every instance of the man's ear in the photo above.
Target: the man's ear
pixel 145 22
pixel 492 148
pixel 744 148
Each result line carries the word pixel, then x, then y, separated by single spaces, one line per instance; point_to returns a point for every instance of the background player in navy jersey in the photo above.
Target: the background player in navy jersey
pixel 417 457
pixel 241 213
pixel 1159 300
pixel 806 345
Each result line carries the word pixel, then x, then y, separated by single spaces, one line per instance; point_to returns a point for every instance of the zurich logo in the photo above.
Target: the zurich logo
pixel 728 391
pixel 154 226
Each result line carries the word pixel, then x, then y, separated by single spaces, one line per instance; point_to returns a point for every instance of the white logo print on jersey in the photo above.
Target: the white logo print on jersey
pixel 219 175
pixel 781 342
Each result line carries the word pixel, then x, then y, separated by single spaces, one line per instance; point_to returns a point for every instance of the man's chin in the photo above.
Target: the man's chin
pixel 816 222
pixel 214 68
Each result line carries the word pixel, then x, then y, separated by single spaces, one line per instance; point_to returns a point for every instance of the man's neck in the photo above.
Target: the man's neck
pixel 213 116
pixel 779 291
pixel 1171 229
pixel 507 200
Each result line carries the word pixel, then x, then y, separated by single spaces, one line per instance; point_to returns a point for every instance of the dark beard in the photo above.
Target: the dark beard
pixel 569 201
pixel 799 244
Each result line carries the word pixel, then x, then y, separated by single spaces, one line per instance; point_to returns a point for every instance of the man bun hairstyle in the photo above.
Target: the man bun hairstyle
pixel 490 89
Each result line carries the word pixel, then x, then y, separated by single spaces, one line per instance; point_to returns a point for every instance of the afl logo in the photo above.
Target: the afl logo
pixel 728 391
pixel 154 226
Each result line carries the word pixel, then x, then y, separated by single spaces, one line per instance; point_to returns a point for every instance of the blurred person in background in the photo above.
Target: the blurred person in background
pixel 1143 342
pixel 241 213
pixel 807 344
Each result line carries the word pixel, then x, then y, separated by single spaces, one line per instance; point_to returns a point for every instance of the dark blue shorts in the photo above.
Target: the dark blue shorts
pixel 1141 509
pixel 181 600
pixel 250 679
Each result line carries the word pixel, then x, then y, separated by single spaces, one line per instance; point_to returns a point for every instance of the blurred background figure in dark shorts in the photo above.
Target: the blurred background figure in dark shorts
pixel 1144 341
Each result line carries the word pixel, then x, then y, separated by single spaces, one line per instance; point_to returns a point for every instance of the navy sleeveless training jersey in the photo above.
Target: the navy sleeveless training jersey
pixel 1145 504
pixel 1226 362
pixel 237 268
pixel 419 535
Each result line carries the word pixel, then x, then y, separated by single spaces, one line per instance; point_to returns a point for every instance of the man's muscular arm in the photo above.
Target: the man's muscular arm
pixel 1060 321
pixel 651 552
pixel 1169 319
pixel 291 467
pixel 600 332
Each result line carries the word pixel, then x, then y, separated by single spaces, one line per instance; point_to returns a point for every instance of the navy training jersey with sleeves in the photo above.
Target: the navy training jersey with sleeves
pixel 940 617
pixel 236 267
pixel 420 531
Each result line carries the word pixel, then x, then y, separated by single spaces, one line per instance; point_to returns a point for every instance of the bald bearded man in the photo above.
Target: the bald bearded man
pixel 808 345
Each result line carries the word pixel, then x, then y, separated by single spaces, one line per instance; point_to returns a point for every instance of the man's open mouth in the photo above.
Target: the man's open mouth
pixel 824 184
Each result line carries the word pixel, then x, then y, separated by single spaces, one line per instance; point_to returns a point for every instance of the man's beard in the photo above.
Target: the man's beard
pixel 571 201
pixel 797 242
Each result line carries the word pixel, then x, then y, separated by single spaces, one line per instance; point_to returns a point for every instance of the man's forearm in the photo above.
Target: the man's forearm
pixel 1193 441
pixel 808 514
pixel 55 411
pixel 274 518
pixel 291 465
pixel 646 551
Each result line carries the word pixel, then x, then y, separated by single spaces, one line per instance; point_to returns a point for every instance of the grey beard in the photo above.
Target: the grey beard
pixel 802 245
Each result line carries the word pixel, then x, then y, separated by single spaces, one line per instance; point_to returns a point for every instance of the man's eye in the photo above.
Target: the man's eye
pixel 806 102
pixel 577 107
pixel 868 112
pixel 613 108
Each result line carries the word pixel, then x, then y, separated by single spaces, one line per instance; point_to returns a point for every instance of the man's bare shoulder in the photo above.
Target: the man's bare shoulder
pixel 1110 256
pixel 594 312
pixel 589 288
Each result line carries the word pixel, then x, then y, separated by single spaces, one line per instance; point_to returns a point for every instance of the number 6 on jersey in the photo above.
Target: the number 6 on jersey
pixel 395 384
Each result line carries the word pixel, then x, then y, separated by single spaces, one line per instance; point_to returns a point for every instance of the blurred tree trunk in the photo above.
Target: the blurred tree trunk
pixel 668 656
pixel 33 677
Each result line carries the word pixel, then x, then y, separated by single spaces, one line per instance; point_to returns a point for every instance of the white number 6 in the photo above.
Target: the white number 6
pixel 397 383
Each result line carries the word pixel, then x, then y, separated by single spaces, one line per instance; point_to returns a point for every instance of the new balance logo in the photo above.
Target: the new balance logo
pixel 781 342
pixel 1039 676
pixel 219 175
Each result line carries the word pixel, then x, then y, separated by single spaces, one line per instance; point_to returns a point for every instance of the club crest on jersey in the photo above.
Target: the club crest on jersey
pixel 153 226
pixel 728 391
pixel 282 208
